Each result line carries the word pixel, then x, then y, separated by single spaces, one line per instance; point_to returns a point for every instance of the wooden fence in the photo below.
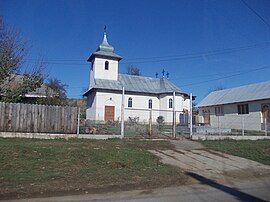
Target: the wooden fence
pixel 18 117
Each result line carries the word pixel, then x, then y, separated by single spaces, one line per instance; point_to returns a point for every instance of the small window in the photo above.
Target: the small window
pixel 130 102
pixel 106 65
pixel 150 104
pixel 170 103
pixel 219 111
pixel 243 109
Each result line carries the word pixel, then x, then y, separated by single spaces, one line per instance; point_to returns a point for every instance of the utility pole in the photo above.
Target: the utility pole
pixel 174 118
pixel 122 112
pixel 150 122
pixel 191 132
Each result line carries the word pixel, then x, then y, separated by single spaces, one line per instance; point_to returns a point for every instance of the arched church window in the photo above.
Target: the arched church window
pixel 170 103
pixel 106 65
pixel 130 102
pixel 150 104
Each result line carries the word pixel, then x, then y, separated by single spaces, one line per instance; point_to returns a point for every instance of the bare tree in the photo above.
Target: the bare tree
pixel 13 50
pixel 58 95
pixel 132 70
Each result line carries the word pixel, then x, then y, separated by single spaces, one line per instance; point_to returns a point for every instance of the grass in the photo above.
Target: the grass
pixel 32 167
pixel 258 150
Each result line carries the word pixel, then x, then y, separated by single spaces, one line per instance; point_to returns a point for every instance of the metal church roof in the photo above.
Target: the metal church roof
pixel 252 92
pixel 138 84
pixel 105 50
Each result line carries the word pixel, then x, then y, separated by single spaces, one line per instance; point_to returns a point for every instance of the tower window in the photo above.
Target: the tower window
pixel 170 103
pixel 106 65
pixel 150 104
pixel 130 102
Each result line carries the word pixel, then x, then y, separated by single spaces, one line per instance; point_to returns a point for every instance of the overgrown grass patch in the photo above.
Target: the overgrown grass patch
pixel 32 167
pixel 258 150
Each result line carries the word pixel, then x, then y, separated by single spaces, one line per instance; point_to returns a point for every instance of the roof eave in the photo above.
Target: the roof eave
pixel 93 55
pixel 228 103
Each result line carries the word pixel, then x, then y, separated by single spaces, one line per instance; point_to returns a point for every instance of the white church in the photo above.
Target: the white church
pixel 142 94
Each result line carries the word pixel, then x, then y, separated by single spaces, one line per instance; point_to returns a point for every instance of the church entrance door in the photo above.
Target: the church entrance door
pixel 109 113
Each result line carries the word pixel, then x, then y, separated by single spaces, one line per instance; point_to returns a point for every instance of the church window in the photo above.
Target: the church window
pixel 130 102
pixel 106 65
pixel 170 103
pixel 150 104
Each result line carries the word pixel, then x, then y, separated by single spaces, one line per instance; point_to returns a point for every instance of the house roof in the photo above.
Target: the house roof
pixel 252 92
pixel 16 79
pixel 105 50
pixel 138 84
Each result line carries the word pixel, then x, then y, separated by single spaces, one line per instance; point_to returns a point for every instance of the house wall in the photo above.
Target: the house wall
pixel 231 118
pixel 139 106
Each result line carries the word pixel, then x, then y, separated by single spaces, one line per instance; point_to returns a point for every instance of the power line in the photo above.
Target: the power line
pixel 256 13
pixel 228 76
pixel 220 78
pixel 205 53
pixel 164 58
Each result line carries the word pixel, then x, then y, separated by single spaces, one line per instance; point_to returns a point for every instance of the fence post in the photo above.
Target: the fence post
pixel 174 118
pixel 191 132
pixel 78 123
pixel 122 112
pixel 265 126
pixel 243 126
pixel 150 122
pixel 219 131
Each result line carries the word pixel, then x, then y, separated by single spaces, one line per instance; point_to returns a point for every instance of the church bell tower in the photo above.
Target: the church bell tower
pixel 104 62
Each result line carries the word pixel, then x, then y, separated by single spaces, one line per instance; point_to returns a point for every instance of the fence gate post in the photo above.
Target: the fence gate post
pixel 191 131
pixel 122 112
pixel 78 123
pixel 243 126
pixel 265 126
pixel 219 131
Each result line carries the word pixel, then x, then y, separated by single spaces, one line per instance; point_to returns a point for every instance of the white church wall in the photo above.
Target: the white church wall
pixel 91 106
pixel 164 105
pixel 108 99
pixel 186 104
pixel 140 107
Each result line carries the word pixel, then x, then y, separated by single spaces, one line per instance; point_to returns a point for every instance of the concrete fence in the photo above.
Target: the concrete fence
pixel 30 118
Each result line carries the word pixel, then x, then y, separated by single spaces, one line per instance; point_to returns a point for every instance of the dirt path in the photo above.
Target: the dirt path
pixel 195 159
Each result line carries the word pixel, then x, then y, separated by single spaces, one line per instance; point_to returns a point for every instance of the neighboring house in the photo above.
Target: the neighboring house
pixel 43 91
pixel 104 96
pixel 248 105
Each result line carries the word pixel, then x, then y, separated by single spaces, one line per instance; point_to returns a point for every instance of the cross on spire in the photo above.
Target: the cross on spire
pixel 163 73
pixel 167 75
pixel 105 29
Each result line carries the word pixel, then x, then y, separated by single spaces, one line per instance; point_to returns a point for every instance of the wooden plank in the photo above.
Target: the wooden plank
pixel 35 116
pixel 63 120
pixel 58 122
pixel 18 117
pixel 2 116
pixel 13 117
pixel 43 111
pixel 6 116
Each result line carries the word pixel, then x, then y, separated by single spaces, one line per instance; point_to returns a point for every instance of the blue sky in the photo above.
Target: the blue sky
pixel 67 32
